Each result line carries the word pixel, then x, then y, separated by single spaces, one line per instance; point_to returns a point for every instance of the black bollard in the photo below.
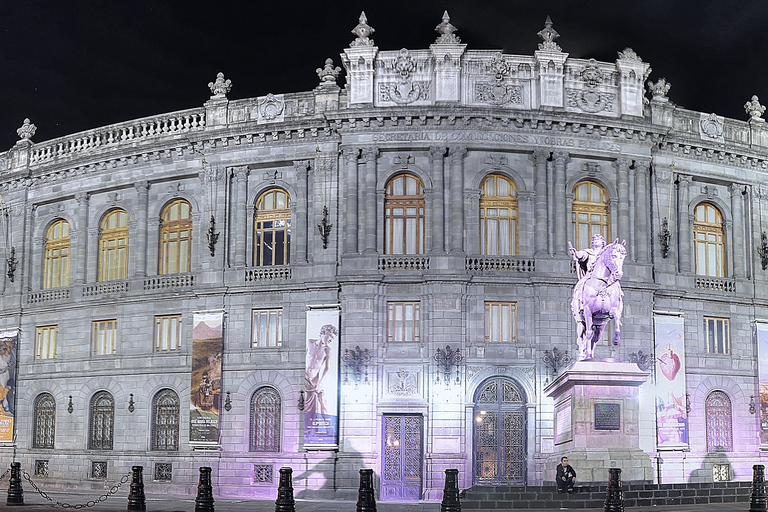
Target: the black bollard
pixel 366 502
pixel 15 491
pixel 451 501
pixel 136 498
pixel 614 501
pixel 757 500
pixel 204 500
pixel 285 501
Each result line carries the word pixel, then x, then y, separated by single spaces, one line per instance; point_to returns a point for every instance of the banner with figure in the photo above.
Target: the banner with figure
pixel 207 347
pixel 321 380
pixel 671 411
pixel 762 369
pixel 9 341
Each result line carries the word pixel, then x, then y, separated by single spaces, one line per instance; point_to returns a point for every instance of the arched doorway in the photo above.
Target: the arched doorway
pixel 500 432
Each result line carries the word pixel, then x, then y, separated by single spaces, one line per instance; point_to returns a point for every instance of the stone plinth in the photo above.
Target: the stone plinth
pixel 596 421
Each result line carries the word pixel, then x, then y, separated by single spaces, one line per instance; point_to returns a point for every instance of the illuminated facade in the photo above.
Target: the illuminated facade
pixel 429 203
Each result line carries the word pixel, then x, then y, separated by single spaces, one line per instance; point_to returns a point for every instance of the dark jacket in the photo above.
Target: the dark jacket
pixel 567 472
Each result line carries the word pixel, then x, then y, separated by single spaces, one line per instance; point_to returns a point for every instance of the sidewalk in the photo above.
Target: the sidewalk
pixel 35 503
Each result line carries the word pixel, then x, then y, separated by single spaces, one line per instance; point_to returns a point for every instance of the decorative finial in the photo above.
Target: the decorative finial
pixel 629 54
pixel 548 34
pixel 362 31
pixel 328 74
pixel 659 90
pixel 27 130
pixel 755 109
pixel 220 87
pixel 446 31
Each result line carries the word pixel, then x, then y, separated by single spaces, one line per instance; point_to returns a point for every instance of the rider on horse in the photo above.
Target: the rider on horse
pixel 586 257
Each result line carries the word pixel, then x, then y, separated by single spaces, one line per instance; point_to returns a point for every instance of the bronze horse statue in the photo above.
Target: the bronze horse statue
pixel 598 297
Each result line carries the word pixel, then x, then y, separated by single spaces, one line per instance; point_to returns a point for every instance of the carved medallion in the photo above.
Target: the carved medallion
pixel 271 107
pixel 711 126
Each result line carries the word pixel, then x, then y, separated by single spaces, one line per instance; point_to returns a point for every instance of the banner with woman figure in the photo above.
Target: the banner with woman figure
pixel 671 410
pixel 207 347
pixel 321 380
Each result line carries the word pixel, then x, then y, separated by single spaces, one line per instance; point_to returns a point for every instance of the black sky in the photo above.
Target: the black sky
pixel 75 65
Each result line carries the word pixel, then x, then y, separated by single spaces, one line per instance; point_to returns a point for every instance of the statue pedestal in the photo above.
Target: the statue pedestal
pixel 596 421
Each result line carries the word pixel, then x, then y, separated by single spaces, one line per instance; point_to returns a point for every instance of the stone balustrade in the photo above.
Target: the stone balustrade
pixel 500 264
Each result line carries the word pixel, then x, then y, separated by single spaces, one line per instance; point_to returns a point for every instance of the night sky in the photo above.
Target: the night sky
pixel 76 65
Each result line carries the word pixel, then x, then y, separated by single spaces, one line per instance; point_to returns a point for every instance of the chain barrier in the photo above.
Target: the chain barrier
pixel 5 474
pixel 78 506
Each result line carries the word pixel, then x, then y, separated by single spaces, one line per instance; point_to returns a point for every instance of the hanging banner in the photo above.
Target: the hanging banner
pixel 321 380
pixel 671 414
pixel 8 344
pixel 207 347
pixel 762 369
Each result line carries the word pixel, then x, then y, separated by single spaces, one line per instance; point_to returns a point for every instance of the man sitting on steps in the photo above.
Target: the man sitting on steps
pixel 566 476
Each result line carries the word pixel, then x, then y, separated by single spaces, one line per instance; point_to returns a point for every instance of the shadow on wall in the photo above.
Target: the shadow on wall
pixel 706 472
pixel 337 476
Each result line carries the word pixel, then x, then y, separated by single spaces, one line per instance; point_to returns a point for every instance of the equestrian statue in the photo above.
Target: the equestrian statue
pixel 597 296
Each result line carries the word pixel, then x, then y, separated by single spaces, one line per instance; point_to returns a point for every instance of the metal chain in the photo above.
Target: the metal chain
pixel 91 503
pixel 5 474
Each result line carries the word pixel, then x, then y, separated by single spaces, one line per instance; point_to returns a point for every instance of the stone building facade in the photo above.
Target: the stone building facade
pixel 430 200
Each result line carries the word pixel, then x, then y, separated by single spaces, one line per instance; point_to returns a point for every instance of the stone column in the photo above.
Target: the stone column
pixel 140 248
pixel 642 232
pixel 457 198
pixel 82 237
pixel 684 228
pixel 369 206
pixel 437 160
pixel 737 207
pixel 301 227
pixel 561 235
pixel 239 203
pixel 622 184
pixel 540 207
pixel 350 198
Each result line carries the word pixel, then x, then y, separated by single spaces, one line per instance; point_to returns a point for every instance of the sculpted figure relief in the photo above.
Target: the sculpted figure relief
pixel 597 296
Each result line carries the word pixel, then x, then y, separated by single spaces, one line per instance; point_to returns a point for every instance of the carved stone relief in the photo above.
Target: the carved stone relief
pixel 271 108
pixel 404 89
pixel 403 382
pixel 711 127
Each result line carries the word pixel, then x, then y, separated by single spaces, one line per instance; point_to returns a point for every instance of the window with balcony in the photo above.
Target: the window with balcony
pixel 404 215
pixel 113 246
pixel 272 229
pixel 176 238
pixel 56 265
pixel 590 213
pixel 498 217
pixel 708 241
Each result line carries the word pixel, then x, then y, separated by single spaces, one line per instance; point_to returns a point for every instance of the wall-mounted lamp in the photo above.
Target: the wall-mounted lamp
pixel 228 403
pixel 212 236
pixel 301 400
pixel 357 361
pixel 69 407
pixel 131 406
pixel 555 360
pixel 665 237
pixel 752 407
pixel 446 360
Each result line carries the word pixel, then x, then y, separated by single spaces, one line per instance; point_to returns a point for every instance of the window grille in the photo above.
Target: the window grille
pixel 45 342
pixel 267 328
pixel 404 215
pixel 500 322
pixel 98 469
pixel 104 337
pixel 44 410
pixel 176 238
pixel 41 468
pixel 498 217
pixel 102 424
pixel 167 333
pixel 113 246
pixel 263 473
pixel 165 421
pixel 403 321
pixel 719 422
pixel 265 420
pixel 163 472
pixel 56 266
pixel 272 229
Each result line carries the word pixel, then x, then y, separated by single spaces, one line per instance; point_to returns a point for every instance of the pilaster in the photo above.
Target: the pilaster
pixel 541 218
pixel 561 160
pixel 457 197
pixel 684 233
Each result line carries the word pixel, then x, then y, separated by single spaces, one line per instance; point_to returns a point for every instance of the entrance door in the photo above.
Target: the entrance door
pixel 401 471
pixel 500 433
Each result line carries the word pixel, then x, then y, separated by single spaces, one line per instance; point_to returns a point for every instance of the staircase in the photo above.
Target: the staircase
pixel 635 495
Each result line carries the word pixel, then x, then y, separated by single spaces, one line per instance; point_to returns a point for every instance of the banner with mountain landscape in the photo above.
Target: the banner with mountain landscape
pixel 762 369
pixel 207 348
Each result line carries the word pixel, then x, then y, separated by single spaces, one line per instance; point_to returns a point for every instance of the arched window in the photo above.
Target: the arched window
pixel 113 246
pixel 165 421
pixel 404 215
pixel 708 241
pixel 44 411
pixel 265 420
pixel 102 421
pixel 719 422
pixel 591 213
pixel 498 217
pixel 176 238
pixel 56 267
pixel 272 229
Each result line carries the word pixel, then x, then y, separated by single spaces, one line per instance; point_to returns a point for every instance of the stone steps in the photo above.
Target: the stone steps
pixel 635 495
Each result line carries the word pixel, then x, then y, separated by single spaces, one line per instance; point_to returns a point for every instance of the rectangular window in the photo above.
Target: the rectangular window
pixel 717 334
pixel 500 322
pixel 167 333
pixel 267 328
pixel 403 319
pixel 104 337
pixel 45 342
